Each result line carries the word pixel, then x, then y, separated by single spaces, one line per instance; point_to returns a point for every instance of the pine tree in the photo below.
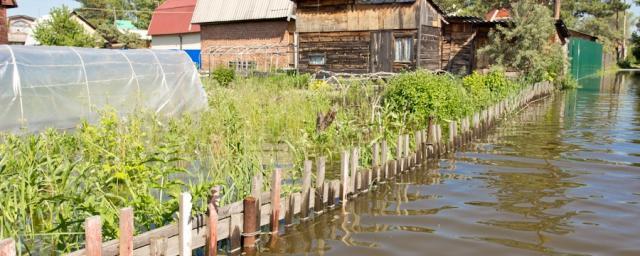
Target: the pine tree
pixel 524 45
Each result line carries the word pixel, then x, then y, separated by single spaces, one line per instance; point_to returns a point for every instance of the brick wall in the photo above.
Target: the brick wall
pixel 250 33
pixel 4 27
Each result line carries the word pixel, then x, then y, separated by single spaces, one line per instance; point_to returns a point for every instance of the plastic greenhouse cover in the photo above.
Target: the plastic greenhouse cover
pixel 42 87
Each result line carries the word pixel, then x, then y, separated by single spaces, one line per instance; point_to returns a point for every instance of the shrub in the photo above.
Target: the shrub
pixel 423 94
pixel 476 86
pixel 224 76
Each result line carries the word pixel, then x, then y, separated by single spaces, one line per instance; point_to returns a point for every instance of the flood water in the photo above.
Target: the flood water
pixel 560 178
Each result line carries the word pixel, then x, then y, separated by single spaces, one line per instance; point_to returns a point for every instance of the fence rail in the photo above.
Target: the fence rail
pixel 240 222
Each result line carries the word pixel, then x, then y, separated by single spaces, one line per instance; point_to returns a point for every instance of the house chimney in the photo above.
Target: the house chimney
pixel 557 5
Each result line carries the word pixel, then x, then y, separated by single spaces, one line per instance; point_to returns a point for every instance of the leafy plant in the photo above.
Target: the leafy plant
pixel 223 75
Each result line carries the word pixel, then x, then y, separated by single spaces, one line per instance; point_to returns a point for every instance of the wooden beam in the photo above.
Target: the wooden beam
pixel 126 232
pixel 184 224
pixel 7 247
pixel 93 236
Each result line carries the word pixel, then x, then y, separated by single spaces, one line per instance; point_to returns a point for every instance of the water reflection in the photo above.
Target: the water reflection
pixel 560 178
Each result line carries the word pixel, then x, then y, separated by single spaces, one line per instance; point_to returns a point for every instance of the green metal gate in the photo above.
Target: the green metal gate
pixel 586 57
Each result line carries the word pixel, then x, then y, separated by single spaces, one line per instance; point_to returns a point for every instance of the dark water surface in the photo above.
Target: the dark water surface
pixel 560 178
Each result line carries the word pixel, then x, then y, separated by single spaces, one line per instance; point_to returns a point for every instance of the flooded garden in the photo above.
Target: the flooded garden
pixel 561 177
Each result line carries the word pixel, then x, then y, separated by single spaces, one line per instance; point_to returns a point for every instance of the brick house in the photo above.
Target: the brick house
pixel 365 36
pixel 4 26
pixel 246 34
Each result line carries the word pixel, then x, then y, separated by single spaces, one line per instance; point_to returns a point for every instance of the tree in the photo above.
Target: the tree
pixel 524 45
pixel 100 12
pixel 114 36
pixel 63 30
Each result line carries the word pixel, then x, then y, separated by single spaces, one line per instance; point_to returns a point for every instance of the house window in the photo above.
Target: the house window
pixel 242 65
pixel 403 49
pixel 317 59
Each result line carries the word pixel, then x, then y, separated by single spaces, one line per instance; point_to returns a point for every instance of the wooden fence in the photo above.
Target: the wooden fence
pixel 241 222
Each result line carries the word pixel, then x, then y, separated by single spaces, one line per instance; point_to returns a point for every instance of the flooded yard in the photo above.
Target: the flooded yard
pixel 559 178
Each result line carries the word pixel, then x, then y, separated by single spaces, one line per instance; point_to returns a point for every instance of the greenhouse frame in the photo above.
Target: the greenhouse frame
pixel 57 87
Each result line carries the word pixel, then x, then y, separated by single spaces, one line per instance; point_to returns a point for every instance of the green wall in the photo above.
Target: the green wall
pixel 585 56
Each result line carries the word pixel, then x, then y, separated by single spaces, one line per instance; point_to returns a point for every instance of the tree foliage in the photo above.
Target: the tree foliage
pixel 62 30
pixel 100 12
pixel 125 39
pixel 601 18
pixel 524 44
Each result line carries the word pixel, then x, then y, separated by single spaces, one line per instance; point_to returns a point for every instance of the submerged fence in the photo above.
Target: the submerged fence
pixel 240 223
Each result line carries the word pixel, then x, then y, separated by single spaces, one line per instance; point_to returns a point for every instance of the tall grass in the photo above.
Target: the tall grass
pixel 52 181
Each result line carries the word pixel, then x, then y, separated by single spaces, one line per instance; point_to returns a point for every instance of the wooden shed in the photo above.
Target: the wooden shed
pixel 365 36
pixel 462 37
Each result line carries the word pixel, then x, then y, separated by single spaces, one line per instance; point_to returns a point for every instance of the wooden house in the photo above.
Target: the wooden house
pixel 462 38
pixel 4 26
pixel 365 36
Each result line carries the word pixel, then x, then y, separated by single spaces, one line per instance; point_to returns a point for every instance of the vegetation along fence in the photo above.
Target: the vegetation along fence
pixel 239 224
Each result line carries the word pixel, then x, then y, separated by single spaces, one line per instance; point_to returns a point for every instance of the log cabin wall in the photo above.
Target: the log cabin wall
pixel 459 48
pixel 342 51
pixel 357 36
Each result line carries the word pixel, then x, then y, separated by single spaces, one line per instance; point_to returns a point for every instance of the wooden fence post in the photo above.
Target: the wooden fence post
pixel 354 170
pixel 7 247
pixel 126 232
pixel 321 188
pixel 250 226
pixel 256 192
pixel 306 190
pixel 93 236
pixel 375 162
pixel 276 177
pixel 418 140
pixel 407 153
pixel 344 176
pixel 384 154
pixel 184 226
pixel 399 154
pixel 212 222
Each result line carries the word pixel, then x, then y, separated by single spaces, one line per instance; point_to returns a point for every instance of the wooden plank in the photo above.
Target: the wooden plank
pixel 306 189
pixel 184 224
pixel 383 158
pixel 344 176
pixel 321 188
pixel 275 199
pixel 7 247
pixel 158 246
pixel 93 236
pixel 126 232
pixel 354 169
pixel 212 222
pixel 235 233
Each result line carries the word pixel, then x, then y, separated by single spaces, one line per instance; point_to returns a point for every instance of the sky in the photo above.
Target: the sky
pixel 37 8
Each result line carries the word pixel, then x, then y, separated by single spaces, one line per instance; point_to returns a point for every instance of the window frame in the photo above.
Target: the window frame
pixel 405 39
pixel 322 55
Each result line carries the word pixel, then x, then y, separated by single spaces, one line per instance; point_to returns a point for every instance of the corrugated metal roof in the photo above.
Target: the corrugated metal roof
pixel 211 11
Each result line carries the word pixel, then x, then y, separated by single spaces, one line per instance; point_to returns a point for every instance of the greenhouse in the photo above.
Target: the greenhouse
pixel 42 87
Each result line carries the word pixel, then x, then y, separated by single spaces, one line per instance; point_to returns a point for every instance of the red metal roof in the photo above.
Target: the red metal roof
pixel 173 17
pixel 498 14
